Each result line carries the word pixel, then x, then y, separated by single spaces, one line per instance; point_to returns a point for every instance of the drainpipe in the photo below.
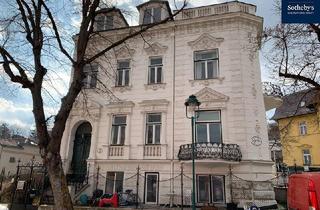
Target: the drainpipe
pixel 173 113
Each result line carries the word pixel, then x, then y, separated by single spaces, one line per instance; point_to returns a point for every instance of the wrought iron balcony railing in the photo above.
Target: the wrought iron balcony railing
pixel 229 152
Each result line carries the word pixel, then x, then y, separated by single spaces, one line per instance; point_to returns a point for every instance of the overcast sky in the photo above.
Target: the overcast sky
pixel 16 105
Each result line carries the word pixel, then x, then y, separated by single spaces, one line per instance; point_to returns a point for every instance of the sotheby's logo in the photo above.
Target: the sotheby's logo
pixel 300 11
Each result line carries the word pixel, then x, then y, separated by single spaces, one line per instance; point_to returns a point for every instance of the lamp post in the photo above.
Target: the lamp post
pixel 193 104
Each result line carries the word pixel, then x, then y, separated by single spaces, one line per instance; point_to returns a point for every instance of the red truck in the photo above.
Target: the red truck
pixel 304 191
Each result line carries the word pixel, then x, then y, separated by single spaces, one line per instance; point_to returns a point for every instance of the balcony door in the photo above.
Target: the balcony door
pixel 151 188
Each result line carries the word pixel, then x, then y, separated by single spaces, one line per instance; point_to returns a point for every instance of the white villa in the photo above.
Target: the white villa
pixel 206 51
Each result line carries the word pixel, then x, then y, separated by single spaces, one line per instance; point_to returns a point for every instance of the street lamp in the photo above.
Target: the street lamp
pixel 193 104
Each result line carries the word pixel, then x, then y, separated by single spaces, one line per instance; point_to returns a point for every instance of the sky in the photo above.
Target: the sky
pixel 16 104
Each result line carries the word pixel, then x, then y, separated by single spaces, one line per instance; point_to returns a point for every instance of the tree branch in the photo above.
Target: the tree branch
pixel 25 21
pixel 301 78
pixel 143 29
pixel 56 32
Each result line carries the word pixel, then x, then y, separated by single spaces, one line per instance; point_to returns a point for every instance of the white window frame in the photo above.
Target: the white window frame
pixel 205 61
pixel 116 174
pixel 303 128
pixel 153 124
pixel 306 156
pixel 157 67
pixel 119 125
pixel 146 185
pixel 152 19
pixel 91 72
pixel 207 122
pixel 124 72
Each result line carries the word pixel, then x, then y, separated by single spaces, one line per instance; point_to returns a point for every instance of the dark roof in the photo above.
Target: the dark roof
pixel 157 1
pixel 291 105
pixel 106 10
pixel 10 143
pixel 17 143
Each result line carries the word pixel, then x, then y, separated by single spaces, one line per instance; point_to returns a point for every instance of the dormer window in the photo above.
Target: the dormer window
pixel 152 15
pixel 104 22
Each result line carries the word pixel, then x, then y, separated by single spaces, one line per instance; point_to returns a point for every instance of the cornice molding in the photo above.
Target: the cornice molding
pixel 157 105
pixel 124 107
pixel 124 52
pixel 210 98
pixel 156 49
pixel 205 42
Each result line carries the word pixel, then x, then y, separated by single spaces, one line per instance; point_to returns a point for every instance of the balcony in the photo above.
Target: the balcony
pixel 118 152
pixel 228 152
pixel 155 151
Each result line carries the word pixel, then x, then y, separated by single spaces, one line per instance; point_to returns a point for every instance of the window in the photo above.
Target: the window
pixel 152 15
pixel 303 128
pixel 155 70
pixel 306 157
pixel 104 22
pixel 153 128
pixel 210 189
pixel 123 72
pixel 114 182
pixel 12 160
pixel 206 64
pixel 118 129
pixel 90 80
pixel 302 103
pixel 208 127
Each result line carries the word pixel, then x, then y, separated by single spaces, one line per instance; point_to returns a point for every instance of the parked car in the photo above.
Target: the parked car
pixel 304 191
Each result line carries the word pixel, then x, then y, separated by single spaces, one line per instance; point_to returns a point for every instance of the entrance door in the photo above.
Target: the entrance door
pixel 81 149
pixel 151 188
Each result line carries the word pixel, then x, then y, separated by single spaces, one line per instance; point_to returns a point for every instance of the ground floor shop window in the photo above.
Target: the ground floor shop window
pixel 210 189
pixel 114 182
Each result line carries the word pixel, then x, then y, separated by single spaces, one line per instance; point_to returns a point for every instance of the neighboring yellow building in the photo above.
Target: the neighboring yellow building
pixel 298 121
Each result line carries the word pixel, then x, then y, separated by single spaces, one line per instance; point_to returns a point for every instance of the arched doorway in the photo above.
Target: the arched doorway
pixel 81 150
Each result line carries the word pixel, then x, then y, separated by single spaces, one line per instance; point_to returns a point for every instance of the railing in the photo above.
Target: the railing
pixel 116 151
pixel 216 9
pixel 79 181
pixel 152 150
pixel 230 152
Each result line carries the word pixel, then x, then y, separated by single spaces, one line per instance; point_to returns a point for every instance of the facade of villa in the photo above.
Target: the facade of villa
pixel 207 52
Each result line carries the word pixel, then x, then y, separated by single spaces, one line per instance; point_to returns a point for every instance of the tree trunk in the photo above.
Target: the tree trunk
pixel 62 199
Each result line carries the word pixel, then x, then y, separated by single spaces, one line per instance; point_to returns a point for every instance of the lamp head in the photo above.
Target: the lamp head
pixel 192 102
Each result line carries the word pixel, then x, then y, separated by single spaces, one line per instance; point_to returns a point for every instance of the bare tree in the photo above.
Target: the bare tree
pixel 293 53
pixel 37 30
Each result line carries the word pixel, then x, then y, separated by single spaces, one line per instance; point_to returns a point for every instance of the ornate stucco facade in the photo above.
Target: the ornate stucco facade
pixel 234 91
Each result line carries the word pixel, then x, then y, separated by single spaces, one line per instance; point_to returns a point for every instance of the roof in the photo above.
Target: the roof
pixel 157 1
pixel 292 106
pixel 10 143
pixel 16 143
